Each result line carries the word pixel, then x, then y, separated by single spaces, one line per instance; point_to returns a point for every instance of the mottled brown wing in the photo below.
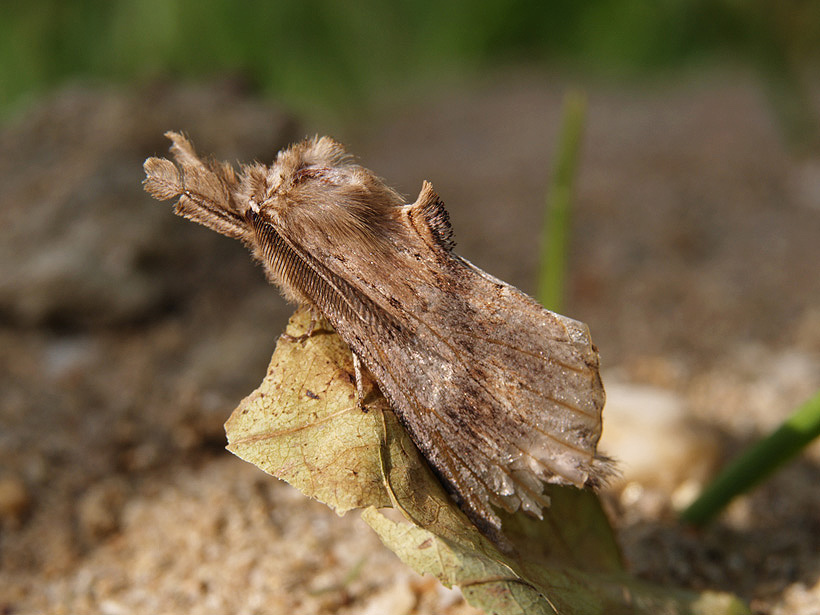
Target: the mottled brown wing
pixel 499 394
pixel 498 401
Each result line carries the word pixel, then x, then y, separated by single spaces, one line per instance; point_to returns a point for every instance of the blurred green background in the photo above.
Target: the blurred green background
pixel 339 57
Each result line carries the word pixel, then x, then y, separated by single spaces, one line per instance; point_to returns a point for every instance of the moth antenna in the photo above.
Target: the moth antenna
pixel 183 150
pixel 205 190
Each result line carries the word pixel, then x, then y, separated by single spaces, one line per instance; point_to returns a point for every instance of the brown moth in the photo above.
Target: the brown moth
pixel 498 393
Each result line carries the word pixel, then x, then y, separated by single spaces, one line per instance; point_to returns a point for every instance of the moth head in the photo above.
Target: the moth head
pixel 317 177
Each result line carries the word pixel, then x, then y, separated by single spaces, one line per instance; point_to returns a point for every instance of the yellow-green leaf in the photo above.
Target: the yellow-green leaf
pixel 303 425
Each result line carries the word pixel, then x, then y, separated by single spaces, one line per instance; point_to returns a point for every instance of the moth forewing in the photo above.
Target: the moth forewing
pixel 499 394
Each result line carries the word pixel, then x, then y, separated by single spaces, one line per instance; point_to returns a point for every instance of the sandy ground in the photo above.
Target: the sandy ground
pixel 127 336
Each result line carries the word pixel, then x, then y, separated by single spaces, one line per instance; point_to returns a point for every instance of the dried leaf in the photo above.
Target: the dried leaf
pixel 303 425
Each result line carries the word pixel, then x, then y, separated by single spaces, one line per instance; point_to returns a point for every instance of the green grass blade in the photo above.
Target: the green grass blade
pixel 555 241
pixel 758 462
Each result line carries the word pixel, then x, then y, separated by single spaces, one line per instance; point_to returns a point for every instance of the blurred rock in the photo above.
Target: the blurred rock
pixel 805 183
pixel 654 440
pixel 15 500
pixel 799 598
pixel 82 244
pixel 398 599
pixel 99 509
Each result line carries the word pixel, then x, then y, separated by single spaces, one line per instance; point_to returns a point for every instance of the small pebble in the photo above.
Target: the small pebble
pixel 15 500
pixel 99 509
pixel 649 432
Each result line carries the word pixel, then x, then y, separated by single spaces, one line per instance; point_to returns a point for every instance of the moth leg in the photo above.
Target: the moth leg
pixel 315 319
pixel 357 372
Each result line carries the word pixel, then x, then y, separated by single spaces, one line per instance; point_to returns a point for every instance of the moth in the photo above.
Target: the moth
pixel 499 394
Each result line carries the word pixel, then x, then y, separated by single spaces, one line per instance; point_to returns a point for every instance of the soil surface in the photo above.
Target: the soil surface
pixel 128 335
